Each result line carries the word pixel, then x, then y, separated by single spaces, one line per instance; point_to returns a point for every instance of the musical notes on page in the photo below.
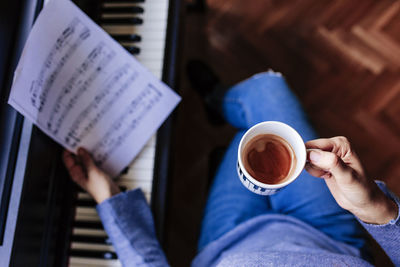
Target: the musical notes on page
pixel 131 118
pixel 84 90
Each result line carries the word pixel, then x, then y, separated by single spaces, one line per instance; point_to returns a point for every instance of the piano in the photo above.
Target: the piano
pixel 45 219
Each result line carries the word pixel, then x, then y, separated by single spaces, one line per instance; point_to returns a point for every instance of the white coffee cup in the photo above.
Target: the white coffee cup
pixel 292 138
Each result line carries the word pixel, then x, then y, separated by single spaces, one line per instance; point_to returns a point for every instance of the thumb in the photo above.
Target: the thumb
pixel 330 162
pixel 86 158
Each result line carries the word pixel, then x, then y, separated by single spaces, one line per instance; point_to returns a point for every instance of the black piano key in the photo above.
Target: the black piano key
pixel 124 1
pixel 122 10
pixel 86 203
pixel 88 225
pixel 81 190
pixel 125 171
pixel 126 37
pixel 106 255
pixel 121 21
pixel 104 240
pixel 132 49
pixel 122 188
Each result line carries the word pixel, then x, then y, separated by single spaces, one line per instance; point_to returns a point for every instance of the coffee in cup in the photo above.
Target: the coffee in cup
pixel 269 158
pixel 271 155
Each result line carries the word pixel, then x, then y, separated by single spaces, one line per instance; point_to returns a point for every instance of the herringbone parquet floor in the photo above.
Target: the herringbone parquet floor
pixel 341 57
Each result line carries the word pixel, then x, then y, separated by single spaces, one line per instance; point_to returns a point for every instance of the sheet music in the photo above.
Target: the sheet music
pixel 84 90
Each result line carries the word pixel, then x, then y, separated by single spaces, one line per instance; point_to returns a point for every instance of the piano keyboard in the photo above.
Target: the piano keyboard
pixel 140 27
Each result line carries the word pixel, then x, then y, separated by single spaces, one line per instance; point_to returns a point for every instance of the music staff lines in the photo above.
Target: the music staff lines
pixel 80 90
pixel 76 80
pixel 138 108
pixel 102 103
pixel 59 54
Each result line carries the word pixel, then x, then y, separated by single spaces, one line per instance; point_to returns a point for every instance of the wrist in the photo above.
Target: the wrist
pixel 102 196
pixel 381 212
pixel 106 193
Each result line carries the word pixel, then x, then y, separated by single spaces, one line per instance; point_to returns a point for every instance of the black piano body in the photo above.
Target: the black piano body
pixel 36 194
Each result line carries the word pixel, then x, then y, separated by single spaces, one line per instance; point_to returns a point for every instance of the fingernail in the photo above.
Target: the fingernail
pixel 315 156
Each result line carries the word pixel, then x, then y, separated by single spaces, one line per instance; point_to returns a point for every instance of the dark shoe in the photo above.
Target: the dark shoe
pixel 197 6
pixel 207 85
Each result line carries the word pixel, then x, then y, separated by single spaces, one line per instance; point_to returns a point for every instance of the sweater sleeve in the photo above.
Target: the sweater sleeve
pixel 128 221
pixel 387 235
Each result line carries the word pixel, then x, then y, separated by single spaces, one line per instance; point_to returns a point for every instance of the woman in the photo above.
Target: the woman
pixel 311 222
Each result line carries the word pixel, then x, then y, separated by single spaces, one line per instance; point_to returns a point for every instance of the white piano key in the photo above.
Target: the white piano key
pixel 151 4
pixel 146 44
pixel 74 264
pixel 147 18
pixel 140 171
pixel 145 55
pixel 150 144
pixel 86 210
pixel 143 162
pixel 87 214
pixel 89 262
pixel 84 195
pixel 139 167
pixel 91 246
pixel 147 152
pixel 157 36
pixel 151 141
pixel 157 73
pixel 121 3
pixel 148 197
pixel 138 174
pixel 142 165
pixel 154 68
pixel 89 232
pixel 155 28
pixel 157 24
pixel 86 218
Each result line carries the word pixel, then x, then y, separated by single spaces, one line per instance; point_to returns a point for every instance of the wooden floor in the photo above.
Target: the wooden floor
pixel 341 57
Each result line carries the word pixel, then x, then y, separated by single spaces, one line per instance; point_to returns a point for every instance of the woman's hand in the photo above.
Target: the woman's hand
pixel 334 161
pixel 87 175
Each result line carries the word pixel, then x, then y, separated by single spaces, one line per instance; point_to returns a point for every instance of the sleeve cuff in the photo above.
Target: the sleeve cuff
pixel 396 200
pixel 120 198
pixel 128 221
pixel 127 210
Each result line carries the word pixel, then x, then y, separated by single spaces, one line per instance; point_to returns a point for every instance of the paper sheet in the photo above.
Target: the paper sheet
pixel 84 90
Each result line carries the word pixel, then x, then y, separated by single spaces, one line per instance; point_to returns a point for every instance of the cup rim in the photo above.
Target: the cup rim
pixel 294 175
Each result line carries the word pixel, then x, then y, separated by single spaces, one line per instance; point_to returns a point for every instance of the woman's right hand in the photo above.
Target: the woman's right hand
pixel 333 160
pixel 87 175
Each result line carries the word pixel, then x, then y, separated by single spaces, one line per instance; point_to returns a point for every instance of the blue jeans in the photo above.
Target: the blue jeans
pixel 266 96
